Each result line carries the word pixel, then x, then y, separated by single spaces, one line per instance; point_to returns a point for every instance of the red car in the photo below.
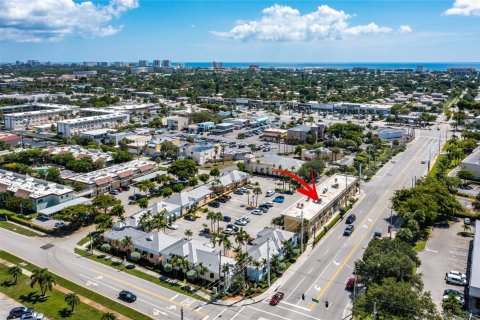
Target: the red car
pixel 277 297
pixel 350 284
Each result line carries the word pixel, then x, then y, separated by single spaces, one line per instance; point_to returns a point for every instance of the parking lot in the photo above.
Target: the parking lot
pixel 236 207
pixel 440 256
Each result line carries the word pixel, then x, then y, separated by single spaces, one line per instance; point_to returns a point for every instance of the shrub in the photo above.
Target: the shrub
pixel 105 247
pixel 135 256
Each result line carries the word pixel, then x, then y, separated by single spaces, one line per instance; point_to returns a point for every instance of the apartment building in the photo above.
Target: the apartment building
pixel 300 133
pixel 43 194
pixel 177 123
pixel 73 127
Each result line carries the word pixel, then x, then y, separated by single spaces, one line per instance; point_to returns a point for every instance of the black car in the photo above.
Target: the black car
pixel 222 200
pixel 227 218
pixel 190 218
pixel 350 219
pixel 214 204
pixel 348 230
pixel 233 227
pixel 135 196
pixel 19 311
pixel 127 296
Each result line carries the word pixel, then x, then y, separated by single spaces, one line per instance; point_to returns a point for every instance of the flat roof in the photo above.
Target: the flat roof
pixel 101 117
pixel 36 188
pixel 475 268
pixel 59 207
pixel 149 176
pixel 311 209
pixel 113 171
pixel 79 152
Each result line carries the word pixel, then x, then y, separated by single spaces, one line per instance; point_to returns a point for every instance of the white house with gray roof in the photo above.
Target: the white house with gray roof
pixel 266 164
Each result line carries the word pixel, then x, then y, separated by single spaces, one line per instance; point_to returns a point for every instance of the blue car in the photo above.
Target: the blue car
pixel 279 199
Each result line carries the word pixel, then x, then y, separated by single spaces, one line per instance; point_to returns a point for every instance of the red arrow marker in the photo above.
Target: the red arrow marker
pixel 309 191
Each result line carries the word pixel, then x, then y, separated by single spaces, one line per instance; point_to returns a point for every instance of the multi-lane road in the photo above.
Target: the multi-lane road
pixel 321 276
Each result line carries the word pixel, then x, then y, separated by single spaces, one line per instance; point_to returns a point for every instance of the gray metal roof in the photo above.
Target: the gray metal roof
pixel 54 209
pixel 475 268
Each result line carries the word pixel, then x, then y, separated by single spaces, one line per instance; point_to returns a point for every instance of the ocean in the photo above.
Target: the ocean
pixel 430 66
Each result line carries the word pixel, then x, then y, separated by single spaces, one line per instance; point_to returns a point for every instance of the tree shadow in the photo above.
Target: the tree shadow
pixel 8 283
pixel 33 298
pixel 65 313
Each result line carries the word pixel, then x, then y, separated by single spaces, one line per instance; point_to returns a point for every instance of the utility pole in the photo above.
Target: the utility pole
pixel 374 311
pixel 219 269
pixel 301 234
pixel 91 243
pixel 359 178
pixel 391 220
pixel 181 313
pixel 268 261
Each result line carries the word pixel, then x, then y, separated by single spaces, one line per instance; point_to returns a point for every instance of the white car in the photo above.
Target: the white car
pixel 258 212
pixel 247 219
pixel 455 279
pixel 228 231
pixel 32 316
pixel 241 222
pixel 458 273
pixel 172 226
pixel 270 193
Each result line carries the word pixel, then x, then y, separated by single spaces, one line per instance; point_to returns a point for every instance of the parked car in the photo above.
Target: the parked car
pixel 241 222
pixel 263 209
pixel 350 284
pixel 458 273
pixel 227 219
pixel 233 227
pixel 467 221
pixel 279 199
pixel 277 297
pixel 190 218
pixel 19 311
pixel 228 231
pixel 249 186
pixel 348 230
pixel 257 212
pixel 222 200
pixel 458 295
pixel 197 215
pixel 268 204
pixel 114 192
pixel 127 296
pixel 59 224
pixel 270 193
pixel 32 316
pixel 126 188
pixel 135 196
pixel 214 204
pixel 455 279
pixel 351 218
pixel 172 226
pixel 247 219
pixel 239 192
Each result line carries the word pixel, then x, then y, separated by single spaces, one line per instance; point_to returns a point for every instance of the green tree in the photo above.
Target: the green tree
pixel 44 279
pixel 105 202
pixel 167 192
pixel 188 233
pixel 204 177
pixel 215 172
pixel 15 272
pixel 121 156
pixel 256 191
pixel 146 185
pixel 72 300
pixel 117 210
pixel 183 169
pixel 466 174
pixel 143 202
pixel 109 316
pixel 317 165
pixel 169 150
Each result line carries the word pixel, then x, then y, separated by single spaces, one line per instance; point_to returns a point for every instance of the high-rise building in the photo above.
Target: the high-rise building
pixel 89 63
pixel 157 63
pixel 420 69
pixel 119 64
pixel 462 71
pixel 217 65
pixel 166 63
pixel 142 63
pixel 102 64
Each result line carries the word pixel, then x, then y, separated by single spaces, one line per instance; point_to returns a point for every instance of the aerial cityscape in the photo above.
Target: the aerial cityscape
pixel 239 160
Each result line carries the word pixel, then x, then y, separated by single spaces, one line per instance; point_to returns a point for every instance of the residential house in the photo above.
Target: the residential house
pixel 266 164
pixel 196 197
pixel 230 181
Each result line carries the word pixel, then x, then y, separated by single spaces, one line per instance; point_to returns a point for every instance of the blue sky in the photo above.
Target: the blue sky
pixel 279 31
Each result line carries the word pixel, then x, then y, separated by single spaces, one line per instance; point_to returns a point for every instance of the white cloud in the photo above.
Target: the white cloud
pixel 404 29
pixel 464 8
pixel 284 23
pixel 52 20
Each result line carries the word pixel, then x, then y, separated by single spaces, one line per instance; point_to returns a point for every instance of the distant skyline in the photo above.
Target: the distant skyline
pixel 240 31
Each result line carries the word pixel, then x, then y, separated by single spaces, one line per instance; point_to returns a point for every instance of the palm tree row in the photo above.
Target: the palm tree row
pixel 214 217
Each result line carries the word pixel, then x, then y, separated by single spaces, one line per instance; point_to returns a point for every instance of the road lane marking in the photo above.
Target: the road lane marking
pixel 138 288
pixel 430 250
pixel 296 306
pixel 236 314
pixel 379 214
pixel 327 251
pixel 218 315
pixel 295 288
pixel 310 271
pixel 303 314
pixel 173 298
pixel 272 314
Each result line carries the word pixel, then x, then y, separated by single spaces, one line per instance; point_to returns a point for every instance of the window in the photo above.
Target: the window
pixel 151 255
pixel 211 275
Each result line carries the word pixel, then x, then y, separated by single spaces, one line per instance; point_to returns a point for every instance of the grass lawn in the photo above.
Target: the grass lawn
pixel 220 165
pixel 21 230
pixel 54 307
pixel 106 302
pixel 83 241
pixel 137 273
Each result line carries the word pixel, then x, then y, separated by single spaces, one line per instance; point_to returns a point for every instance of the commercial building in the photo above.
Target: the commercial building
pixel 98 134
pixel 110 178
pixel 237 122
pixel 462 71
pixel 274 135
pixel 142 63
pixel 474 276
pixel 85 73
pixel 333 193
pixel 201 127
pixel 300 133
pixel 79 153
pixel 472 162
pixel 201 153
pixel 132 108
pixel 43 194
pixel 350 107
pixel 177 123
pixel 72 127
pixel 9 138
pixel 222 128
pixel 266 164
pixel 230 181
pixel 35 115
pixel 320 154
pixel 217 65
pixel 389 133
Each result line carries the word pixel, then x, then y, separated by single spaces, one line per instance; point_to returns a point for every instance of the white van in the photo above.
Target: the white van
pixel 455 279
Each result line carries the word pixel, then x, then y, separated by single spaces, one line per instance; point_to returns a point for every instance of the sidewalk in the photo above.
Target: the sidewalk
pixel 83 299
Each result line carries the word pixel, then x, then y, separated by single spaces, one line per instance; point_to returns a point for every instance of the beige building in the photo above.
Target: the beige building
pixel 333 193
pixel 274 135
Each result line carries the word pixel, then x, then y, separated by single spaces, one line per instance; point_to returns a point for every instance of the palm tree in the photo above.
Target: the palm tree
pixel 257 191
pixel 15 272
pixel 144 220
pixel 227 246
pixel 44 279
pixel 223 147
pixel 215 151
pixel 127 241
pixel 241 237
pixel 248 197
pixel 211 216
pixel 213 239
pixel 335 152
pixel 160 221
pixel 72 300
pixel 226 271
pixel 109 316
pixel 201 269
pixel 218 218
pixel 287 249
pixel 188 233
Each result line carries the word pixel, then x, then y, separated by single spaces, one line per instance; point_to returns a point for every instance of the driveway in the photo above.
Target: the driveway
pixel 445 251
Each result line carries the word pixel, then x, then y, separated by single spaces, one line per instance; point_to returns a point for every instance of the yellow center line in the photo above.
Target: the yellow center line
pixel 329 283
pixel 149 292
